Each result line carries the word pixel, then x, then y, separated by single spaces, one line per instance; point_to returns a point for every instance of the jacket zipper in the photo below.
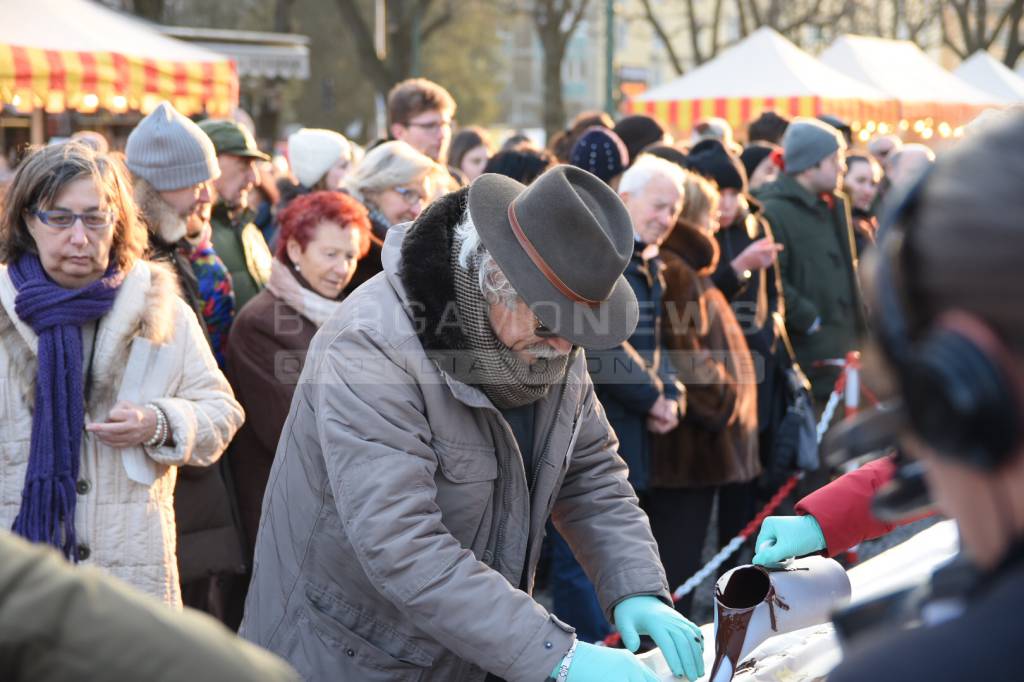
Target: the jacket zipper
pixel 499 545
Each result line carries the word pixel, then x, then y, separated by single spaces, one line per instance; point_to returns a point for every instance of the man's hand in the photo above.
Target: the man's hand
pixel 593 663
pixel 785 537
pixel 680 641
pixel 127 425
pixel 758 256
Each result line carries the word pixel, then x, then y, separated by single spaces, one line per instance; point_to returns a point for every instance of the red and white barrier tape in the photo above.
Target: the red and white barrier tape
pixel 848 383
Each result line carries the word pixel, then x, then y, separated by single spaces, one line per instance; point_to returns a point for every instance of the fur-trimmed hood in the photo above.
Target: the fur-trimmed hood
pixel 144 307
pixel 160 217
pixel 426 272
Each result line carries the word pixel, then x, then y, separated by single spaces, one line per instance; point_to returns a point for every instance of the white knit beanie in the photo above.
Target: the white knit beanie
pixel 312 152
pixel 170 152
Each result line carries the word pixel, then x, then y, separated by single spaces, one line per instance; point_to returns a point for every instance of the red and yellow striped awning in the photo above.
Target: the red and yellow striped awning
pixel 682 115
pixel 32 78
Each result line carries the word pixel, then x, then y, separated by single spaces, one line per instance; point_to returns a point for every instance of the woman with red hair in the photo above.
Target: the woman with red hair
pixel 322 236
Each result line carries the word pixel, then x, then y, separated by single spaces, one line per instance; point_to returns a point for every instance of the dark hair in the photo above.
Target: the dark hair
pixel 563 141
pixel 523 163
pixel 300 220
pixel 464 142
pixel 856 158
pixel 45 173
pixel 413 96
pixel 769 127
pixel 514 141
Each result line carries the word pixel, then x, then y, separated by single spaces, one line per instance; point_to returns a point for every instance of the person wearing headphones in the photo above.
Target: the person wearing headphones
pixel 948 319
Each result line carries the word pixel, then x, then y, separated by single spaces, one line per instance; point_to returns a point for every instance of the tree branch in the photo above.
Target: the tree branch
pixel 437 22
pixel 691 14
pixel 363 38
pixel 663 36
pixel 716 21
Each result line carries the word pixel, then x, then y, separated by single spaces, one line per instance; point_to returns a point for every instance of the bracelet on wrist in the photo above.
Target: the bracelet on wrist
pixel 159 437
pixel 563 669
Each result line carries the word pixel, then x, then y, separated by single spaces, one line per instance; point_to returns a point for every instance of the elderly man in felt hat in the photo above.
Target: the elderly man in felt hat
pixel 442 415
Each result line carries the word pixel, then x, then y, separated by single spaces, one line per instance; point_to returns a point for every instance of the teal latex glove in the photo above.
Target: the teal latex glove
pixel 680 641
pixel 785 537
pixel 592 663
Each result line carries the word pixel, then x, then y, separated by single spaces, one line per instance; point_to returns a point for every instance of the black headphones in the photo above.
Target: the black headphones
pixel 956 391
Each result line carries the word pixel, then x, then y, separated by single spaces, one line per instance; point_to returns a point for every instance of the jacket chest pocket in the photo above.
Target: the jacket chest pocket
pixel 465 486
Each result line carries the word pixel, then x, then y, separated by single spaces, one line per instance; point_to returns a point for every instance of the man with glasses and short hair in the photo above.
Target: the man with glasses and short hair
pixel 420 114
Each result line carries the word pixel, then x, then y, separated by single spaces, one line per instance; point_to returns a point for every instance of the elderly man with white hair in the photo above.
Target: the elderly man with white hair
pixel 908 163
pixel 443 414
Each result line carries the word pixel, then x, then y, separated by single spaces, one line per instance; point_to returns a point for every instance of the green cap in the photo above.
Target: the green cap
pixel 230 137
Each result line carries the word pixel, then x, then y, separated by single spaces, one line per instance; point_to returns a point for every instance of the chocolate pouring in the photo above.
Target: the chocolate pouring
pixel 753 603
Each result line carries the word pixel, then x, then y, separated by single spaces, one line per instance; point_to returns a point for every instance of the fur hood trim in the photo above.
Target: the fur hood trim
pixel 426 272
pixel 159 216
pixel 144 307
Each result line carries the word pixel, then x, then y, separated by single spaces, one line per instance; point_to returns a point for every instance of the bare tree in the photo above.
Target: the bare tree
pixel 977 26
pixel 1015 36
pixel 704 23
pixel 555 22
pixel 409 22
pixel 149 9
pixel 283 19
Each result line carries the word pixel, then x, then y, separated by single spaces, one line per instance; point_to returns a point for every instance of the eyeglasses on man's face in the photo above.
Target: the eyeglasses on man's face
pixel 431 126
pixel 64 219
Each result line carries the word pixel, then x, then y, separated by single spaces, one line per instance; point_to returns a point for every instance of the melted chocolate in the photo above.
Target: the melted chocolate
pixel 747 588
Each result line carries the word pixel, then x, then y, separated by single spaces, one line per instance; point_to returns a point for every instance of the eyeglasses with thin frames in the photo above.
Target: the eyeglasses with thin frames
pixel 63 219
pixel 431 127
pixel 409 196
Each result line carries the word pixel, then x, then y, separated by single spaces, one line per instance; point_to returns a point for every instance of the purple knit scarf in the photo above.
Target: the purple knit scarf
pixel 56 315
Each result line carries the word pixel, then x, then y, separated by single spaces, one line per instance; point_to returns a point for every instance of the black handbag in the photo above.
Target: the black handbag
pixel 795 447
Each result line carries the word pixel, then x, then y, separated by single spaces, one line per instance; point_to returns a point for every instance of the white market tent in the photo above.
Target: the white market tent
pixel 764 72
pixel 987 73
pixel 76 54
pixel 904 72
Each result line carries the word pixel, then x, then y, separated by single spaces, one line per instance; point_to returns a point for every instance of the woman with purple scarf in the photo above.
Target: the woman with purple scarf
pixel 107 384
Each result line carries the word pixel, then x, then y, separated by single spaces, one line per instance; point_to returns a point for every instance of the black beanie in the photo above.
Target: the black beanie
pixel 669 153
pixel 638 132
pixel 711 159
pixel 755 153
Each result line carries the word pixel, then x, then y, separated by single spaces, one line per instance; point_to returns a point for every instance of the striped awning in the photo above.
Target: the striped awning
pixel 57 55
pixel 32 78
pixel 682 115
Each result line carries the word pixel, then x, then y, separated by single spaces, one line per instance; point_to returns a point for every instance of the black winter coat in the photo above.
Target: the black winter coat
pixel 629 379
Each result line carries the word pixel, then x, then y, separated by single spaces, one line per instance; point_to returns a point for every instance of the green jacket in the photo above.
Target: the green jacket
pixel 62 622
pixel 819 275
pixel 245 253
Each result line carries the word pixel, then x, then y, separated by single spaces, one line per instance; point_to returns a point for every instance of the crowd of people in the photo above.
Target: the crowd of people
pixel 355 409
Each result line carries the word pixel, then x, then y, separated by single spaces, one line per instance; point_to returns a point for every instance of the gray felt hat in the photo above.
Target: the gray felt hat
pixel 170 152
pixel 563 242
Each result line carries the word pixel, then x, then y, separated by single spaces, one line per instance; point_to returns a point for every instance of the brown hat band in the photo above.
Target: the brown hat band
pixel 541 264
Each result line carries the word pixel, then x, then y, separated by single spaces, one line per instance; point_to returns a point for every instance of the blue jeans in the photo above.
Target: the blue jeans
pixel 575 599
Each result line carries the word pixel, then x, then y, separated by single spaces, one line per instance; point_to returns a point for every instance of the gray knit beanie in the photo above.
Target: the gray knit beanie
pixel 170 152
pixel 807 141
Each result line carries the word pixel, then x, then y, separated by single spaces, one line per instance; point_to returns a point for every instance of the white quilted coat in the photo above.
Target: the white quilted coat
pixel 148 348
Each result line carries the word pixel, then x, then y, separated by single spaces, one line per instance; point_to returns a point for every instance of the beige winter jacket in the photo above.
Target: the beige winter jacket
pixel 148 348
